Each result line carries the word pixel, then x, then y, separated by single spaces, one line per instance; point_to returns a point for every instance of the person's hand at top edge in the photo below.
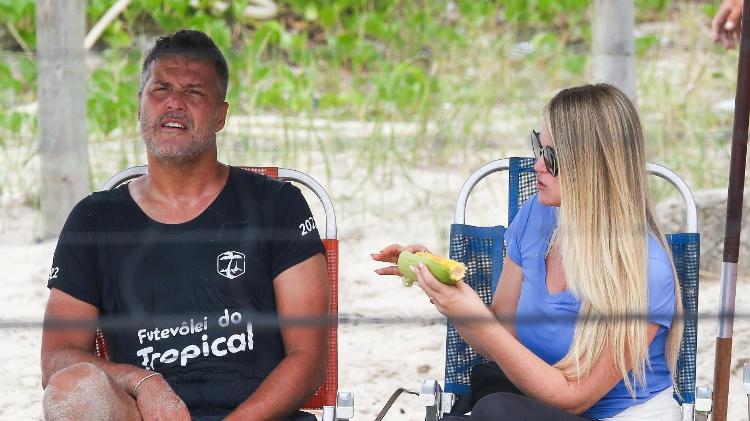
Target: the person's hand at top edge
pixel 725 27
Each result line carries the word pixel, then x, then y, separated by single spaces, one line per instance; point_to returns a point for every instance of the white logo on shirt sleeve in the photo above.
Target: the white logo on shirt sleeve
pixel 53 273
pixel 307 226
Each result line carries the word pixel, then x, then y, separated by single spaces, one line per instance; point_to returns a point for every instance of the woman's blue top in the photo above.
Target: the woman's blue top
pixel 546 322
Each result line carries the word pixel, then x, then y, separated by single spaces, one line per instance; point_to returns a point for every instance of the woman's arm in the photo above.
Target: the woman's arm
pixel 540 380
pixel 535 377
pixel 505 300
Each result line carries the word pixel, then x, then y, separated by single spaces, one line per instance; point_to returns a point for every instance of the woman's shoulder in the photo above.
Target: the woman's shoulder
pixel 661 283
pixel 657 254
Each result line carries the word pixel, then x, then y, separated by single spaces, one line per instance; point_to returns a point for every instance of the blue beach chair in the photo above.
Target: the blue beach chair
pixel 482 249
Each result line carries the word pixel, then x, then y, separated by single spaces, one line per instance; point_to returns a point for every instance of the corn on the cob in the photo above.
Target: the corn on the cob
pixel 445 270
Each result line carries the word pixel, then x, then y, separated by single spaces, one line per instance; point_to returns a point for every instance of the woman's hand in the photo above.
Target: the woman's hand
pixel 390 255
pixel 457 302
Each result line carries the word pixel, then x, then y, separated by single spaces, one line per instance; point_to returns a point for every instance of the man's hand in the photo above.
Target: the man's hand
pixel 64 347
pixel 157 401
pixel 725 28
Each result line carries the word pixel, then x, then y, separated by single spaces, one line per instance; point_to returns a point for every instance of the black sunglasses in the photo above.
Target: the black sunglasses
pixel 547 152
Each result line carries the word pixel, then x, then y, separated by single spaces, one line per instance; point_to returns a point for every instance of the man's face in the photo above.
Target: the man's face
pixel 181 109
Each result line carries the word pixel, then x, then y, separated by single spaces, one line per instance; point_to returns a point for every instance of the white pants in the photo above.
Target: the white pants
pixel 661 406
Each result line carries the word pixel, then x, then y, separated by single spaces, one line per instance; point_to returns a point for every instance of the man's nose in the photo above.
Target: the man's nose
pixel 175 101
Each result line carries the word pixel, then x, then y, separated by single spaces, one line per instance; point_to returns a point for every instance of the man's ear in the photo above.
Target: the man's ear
pixel 139 105
pixel 221 116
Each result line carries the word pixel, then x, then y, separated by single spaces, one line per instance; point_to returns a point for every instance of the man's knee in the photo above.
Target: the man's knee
pixel 79 375
pixel 496 404
pixel 73 389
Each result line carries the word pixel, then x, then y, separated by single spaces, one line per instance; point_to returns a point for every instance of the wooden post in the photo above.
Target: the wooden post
pixel 614 46
pixel 63 154
pixel 733 227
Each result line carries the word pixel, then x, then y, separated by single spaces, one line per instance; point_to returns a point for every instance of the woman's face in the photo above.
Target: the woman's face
pixel 547 184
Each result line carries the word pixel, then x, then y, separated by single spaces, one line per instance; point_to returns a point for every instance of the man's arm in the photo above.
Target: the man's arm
pixel 65 346
pixel 301 291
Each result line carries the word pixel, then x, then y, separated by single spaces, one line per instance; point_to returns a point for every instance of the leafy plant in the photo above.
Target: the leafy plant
pixel 460 75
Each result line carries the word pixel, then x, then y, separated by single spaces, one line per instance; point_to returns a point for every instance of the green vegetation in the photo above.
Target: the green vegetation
pixel 466 79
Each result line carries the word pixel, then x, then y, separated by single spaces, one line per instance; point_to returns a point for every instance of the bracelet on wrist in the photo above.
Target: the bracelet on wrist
pixel 146 377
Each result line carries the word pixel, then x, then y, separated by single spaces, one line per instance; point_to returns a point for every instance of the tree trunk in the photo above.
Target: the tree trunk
pixel 60 28
pixel 614 47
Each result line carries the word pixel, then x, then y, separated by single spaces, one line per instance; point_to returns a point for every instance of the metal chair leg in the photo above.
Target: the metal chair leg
pixel 436 401
pixel 344 409
pixel 703 402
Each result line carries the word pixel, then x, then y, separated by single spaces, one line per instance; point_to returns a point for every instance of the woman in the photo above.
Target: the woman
pixel 585 253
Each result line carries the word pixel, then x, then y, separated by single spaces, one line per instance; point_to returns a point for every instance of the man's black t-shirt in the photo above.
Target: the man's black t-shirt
pixel 194 285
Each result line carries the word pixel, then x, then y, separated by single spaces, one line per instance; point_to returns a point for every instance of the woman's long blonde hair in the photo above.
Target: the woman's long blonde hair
pixel 604 221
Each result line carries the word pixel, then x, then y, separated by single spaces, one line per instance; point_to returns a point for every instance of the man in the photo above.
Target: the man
pixel 189 251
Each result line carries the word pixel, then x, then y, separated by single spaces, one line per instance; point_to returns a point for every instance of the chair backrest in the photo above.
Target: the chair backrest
pixel 326 394
pixel 482 249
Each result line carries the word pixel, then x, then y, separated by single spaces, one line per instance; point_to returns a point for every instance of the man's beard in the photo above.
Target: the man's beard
pixel 177 154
